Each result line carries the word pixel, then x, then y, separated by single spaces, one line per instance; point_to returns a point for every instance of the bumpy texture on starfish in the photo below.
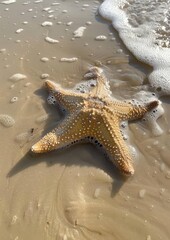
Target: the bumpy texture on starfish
pixel 94 117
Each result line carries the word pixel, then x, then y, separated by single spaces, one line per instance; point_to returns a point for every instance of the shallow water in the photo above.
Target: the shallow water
pixel 74 193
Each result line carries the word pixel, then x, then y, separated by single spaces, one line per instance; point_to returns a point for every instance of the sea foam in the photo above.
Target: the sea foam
pixel 143 27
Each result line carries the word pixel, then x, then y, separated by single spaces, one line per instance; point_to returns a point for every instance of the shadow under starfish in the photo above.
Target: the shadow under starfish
pixel 63 158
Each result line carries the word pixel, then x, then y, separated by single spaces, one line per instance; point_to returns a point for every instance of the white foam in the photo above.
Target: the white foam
pixel 51 40
pixel 50 16
pixel 151 117
pixel 44 75
pixel 8 2
pixel 17 77
pixel 44 59
pixel 46 23
pixel 86 5
pixel 46 9
pixel 38 1
pixel 69 60
pixel 26 3
pixel 50 11
pixel 85 87
pixel 101 38
pixel 69 23
pixel 79 32
pixel 143 34
pixel 19 30
pixel 55 4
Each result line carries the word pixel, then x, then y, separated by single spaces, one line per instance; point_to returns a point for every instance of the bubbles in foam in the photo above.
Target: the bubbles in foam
pixel 151 117
pixel 85 87
pixel 51 100
pixel 6 120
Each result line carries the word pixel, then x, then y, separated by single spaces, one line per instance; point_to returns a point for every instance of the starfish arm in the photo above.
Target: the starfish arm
pixel 137 112
pixel 102 86
pixel 69 131
pixel 128 111
pixel 64 97
pixel 110 138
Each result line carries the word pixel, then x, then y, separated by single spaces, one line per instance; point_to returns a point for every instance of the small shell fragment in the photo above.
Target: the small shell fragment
pixel 14 99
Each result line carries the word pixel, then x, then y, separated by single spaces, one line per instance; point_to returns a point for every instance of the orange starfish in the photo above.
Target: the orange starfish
pixel 93 117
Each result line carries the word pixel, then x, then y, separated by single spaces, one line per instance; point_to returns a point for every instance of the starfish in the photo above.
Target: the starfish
pixel 95 117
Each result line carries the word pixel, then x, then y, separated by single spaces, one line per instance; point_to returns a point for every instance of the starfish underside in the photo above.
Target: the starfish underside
pixel 94 117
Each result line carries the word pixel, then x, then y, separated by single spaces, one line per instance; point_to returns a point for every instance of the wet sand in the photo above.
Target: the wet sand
pixel 74 193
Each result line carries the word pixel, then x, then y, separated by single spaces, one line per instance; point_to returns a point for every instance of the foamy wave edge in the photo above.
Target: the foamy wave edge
pixel 142 47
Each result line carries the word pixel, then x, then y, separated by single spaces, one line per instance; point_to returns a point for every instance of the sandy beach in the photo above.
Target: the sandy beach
pixel 74 193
